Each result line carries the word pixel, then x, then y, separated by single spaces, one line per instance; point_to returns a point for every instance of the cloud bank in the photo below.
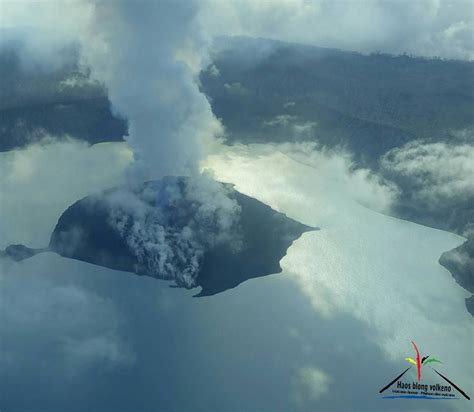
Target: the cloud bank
pixel 427 28
pixel 76 326
pixel 439 173
pixel 47 177
pixel 337 166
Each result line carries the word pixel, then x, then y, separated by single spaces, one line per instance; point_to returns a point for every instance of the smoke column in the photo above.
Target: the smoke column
pixel 148 54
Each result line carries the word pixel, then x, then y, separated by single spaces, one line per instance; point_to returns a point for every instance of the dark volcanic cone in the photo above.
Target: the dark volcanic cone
pixel 163 231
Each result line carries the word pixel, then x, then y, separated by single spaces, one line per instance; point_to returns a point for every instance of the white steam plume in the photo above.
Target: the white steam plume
pixel 148 54
pixel 170 241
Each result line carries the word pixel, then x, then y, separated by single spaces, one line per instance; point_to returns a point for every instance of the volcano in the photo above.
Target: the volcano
pixel 156 230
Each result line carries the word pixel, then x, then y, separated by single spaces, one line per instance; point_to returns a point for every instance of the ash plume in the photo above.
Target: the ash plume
pixel 148 55
pixel 170 226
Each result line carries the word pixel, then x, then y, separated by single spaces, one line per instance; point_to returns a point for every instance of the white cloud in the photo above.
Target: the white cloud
pixel 214 71
pixel 312 383
pixel 293 126
pixel 281 120
pixel 63 17
pixel 461 257
pixel 436 172
pixel 236 89
pixel 45 316
pixel 361 185
pixel 425 27
pixel 43 29
pixel 106 348
pixel 469 230
pixel 38 182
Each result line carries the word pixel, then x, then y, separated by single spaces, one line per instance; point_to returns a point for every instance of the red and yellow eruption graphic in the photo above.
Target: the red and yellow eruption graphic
pixel 419 361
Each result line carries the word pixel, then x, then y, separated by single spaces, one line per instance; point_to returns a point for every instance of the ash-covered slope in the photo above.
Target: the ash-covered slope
pixel 166 229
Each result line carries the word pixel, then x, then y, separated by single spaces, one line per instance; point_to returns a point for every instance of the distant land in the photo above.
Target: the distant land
pixel 460 262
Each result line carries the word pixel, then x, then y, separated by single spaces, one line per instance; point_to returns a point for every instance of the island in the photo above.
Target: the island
pixel 164 229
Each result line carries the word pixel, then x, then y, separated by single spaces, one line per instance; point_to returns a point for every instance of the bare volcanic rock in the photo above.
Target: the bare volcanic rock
pixel 194 232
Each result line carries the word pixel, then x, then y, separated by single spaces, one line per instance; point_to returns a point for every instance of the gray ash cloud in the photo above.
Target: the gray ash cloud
pixel 170 227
